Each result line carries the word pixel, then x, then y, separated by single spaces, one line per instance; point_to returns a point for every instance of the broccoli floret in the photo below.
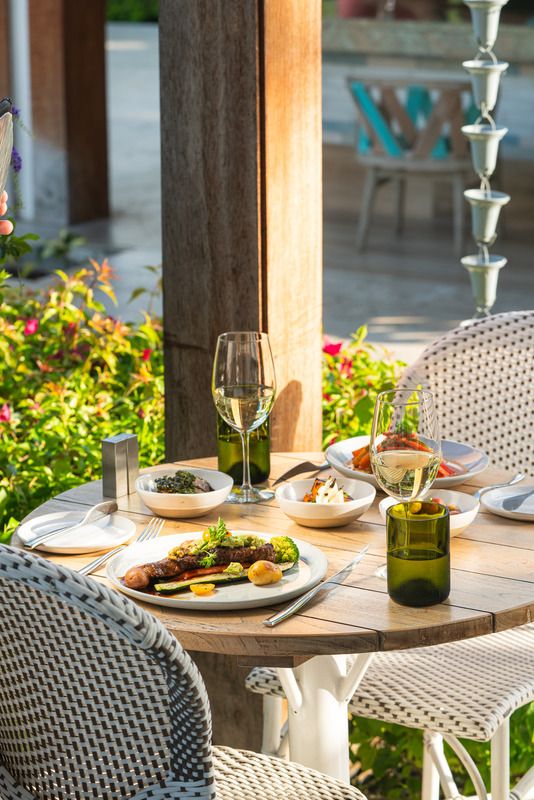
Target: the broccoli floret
pixel 285 549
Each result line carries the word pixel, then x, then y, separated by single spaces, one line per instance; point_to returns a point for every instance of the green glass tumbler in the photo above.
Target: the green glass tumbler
pixel 418 554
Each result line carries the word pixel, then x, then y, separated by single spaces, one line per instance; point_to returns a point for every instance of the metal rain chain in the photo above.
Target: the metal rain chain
pixel 484 137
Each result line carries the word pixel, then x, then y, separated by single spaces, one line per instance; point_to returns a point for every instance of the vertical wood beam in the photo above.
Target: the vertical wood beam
pixel 69 109
pixel 241 205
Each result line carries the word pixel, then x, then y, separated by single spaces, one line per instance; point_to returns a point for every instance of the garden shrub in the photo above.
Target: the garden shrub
pixel 71 375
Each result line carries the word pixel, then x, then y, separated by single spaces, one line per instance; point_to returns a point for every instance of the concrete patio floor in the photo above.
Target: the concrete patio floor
pixel 407 289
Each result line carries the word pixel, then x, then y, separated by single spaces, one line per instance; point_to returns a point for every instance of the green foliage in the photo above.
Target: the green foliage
pixel 132 10
pixel 353 375
pixel 70 375
pixel 390 756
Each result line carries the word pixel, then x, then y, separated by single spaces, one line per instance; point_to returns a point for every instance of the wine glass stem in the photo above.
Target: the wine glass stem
pixel 246 487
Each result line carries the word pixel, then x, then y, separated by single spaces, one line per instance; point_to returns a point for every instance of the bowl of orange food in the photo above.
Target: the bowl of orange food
pixel 328 503
pixel 463 507
pixel 460 462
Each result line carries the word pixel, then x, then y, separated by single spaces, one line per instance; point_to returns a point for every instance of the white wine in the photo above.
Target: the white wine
pixel 246 406
pixel 405 474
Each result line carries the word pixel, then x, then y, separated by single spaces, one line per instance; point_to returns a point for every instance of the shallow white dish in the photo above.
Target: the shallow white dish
pixel 470 459
pixel 467 504
pixel 311 569
pixel 493 501
pixel 178 506
pixel 104 534
pixel 314 515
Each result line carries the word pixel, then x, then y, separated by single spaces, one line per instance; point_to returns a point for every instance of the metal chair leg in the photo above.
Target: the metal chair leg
pixel 400 195
pixel 500 763
pixel 366 209
pixel 430 775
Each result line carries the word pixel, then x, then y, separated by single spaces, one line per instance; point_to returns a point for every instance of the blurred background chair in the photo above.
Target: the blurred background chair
pixel 97 699
pixel 483 379
pixel 409 124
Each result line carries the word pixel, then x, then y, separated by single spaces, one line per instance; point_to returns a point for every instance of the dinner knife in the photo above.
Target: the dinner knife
pixel 301 601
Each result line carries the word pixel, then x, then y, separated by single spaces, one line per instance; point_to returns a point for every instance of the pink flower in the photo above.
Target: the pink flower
pixel 5 413
pixel 141 414
pixel 333 348
pixel 146 354
pixel 36 407
pixel 31 327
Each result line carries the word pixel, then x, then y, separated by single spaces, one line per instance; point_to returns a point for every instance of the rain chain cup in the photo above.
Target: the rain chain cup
pixel 484 138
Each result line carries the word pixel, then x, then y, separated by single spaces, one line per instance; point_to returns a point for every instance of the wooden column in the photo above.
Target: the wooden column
pixel 69 109
pixel 241 200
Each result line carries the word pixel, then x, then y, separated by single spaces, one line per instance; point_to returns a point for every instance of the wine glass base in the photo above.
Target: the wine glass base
pixel 381 572
pixel 240 496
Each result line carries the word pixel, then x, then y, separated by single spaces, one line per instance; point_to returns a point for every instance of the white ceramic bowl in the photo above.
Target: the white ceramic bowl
pixel 313 515
pixel 178 506
pixel 467 504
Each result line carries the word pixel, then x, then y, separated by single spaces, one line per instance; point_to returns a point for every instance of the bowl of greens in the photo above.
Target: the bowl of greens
pixel 183 492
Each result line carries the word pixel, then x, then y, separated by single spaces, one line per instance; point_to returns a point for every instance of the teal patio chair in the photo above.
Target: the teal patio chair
pixel 409 124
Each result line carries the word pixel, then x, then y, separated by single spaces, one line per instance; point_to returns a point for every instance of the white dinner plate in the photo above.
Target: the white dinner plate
pixel 493 501
pixel 104 534
pixel 310 570
pixel 470 460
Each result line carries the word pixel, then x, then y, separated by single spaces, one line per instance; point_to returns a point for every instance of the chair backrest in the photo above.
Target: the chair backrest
pixel 483 379
pixel 97 699
pixel 411 117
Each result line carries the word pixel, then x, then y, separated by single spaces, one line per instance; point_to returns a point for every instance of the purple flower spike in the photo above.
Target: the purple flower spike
pixel 16 160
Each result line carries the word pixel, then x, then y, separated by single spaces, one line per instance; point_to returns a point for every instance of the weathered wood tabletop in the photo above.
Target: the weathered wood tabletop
pixel 492 582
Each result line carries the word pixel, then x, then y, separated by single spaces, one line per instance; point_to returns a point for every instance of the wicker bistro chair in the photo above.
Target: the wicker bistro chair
pixel 98 700
pixel 483 377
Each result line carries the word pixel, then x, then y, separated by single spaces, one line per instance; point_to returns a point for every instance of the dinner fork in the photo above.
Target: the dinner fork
pixel 151 530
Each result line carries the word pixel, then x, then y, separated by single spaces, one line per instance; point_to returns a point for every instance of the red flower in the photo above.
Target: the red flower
pixel 333 348
pixel 327 397
pixel 141 414
pixel 333 439
pixel 31 327
pixel 5 413
pixel 70 329
pixel 146 354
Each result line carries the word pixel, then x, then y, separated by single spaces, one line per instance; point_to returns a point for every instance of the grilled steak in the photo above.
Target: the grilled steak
pixel 141 576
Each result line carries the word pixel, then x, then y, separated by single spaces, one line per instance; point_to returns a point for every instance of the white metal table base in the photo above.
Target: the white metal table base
pixel 318 694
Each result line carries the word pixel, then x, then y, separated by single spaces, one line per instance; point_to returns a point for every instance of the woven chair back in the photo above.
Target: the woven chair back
pixel 87 684
pixel 483 379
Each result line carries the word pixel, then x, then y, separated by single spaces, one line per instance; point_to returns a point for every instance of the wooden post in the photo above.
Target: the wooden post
pixel 242 206
pixel 69 109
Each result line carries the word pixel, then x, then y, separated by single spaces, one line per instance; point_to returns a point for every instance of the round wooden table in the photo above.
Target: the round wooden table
pixel 492 589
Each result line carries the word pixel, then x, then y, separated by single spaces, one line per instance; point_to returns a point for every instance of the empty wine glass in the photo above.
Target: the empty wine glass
pixel 243 388
pixel 405 446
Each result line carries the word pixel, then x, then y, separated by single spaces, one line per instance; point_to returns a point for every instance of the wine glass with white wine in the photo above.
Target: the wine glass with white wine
pixel 405 446
pixel 243 388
